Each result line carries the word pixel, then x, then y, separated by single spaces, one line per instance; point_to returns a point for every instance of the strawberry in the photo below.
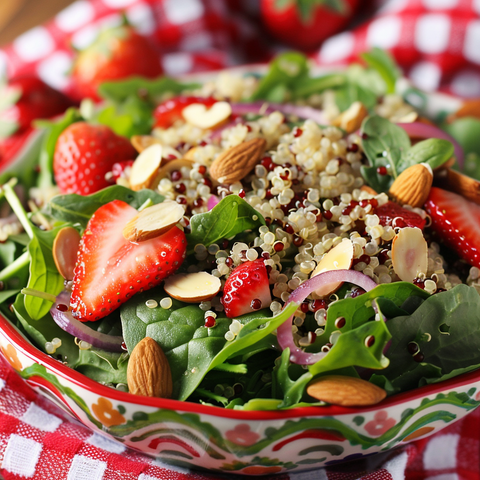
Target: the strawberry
pixel 168 112
pixel 305 24
pixel 246 289
pixel 110 269
pixel 394 215
pixel 117 53
pixel 84 154
pixel 457 221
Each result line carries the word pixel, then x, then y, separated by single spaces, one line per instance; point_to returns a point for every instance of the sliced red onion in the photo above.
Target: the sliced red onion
pixel 212 201
pixel 425 130
pixel 266 108
pixel 284 331
pixel 65 320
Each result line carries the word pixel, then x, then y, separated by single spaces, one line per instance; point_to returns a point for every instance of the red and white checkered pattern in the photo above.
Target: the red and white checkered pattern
pixel 40 442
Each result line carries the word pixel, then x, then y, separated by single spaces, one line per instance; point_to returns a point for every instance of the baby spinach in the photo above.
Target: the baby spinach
pixel 445 328
pixel 385 65
pixel 388 145
pixel 231 216
pixel 191 348
pixel 75 208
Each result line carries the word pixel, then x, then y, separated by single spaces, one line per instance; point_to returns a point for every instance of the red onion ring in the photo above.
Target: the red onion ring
pixel 284 331
pixel 212 201
pixel 267 108
pixel 425 130
pixel 66 321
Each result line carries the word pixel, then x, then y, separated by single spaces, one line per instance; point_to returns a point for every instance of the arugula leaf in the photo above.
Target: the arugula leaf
pixel 283 73
pixel 445 327
pixel 232 215
pixel 75 208
pixel 385 65
pixel 44 275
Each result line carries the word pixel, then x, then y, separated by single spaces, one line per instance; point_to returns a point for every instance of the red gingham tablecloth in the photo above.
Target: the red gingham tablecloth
pixel 437 43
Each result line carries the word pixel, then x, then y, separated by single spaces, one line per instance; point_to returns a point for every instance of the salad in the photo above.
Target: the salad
pixel 252 242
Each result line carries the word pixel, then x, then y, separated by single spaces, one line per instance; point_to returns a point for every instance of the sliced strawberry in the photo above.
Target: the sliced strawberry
pixel 457 221
pixel 111 269
pixel 84 154
pixel 246 289
pixel 392 214
pixel 168 112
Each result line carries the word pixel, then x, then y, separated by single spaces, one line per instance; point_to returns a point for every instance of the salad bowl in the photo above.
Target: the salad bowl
pixel 258 439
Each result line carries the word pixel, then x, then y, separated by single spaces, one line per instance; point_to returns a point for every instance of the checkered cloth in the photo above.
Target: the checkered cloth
pixel 40 442
pixel 437 42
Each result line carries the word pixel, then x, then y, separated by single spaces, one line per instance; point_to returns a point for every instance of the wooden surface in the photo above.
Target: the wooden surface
pixel 18 16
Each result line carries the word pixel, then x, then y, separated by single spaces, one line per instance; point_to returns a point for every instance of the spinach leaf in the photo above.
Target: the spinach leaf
pixel 466 131
pixel 54 130
pixel 283 73
pixel 445 327
pixel 307 86
pixel 353 92
pixel 75 208
pixel 119 91
pixel 191 348
pixel 44 275
pixel 385 65
pixel 472 166
pixel 102 366
pixel 433 151
pixel 232 215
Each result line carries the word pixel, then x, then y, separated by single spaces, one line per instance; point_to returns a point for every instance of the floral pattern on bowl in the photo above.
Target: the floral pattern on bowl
pixel 243 442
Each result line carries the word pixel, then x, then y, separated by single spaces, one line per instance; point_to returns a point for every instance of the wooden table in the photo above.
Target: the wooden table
pixel 18 16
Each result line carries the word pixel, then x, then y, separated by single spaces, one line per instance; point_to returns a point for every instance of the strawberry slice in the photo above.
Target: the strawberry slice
pixel 246 289
pixel 168 112
pixel 457 221
pixel 392 214
pixel 110 269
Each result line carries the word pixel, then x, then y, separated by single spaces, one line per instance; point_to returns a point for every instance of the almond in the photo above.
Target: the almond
pixel 148 371
pixel 141 142
pixel 409 254
pixel 153 221
pixel 469 108
pixel 192 287
pixel 457 182
pixel 234 164
pixel 65 248
pixel 346 391
pixel 369 190
pixel 413 185
pixel 198 115
pixel 338 258
pixel 351 119
pixel 145 167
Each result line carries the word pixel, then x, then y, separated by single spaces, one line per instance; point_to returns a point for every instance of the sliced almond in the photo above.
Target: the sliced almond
pixel 153 221
pixel 409 254
pixel 413 185
pixel 145 167
pixel 65 251
pixel 192 287
pixel 346 391
pixel 235 163
pixel 369 190
pixel 469 108
pixel 148 370
pixel 141 142
pixel 199 115
pixel 351 119
pixel 338 258
pixel 457 182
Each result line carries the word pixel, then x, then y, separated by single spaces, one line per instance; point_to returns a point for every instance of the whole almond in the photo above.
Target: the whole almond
pixel 413 185
pixel 234 164
pixel 346 391
pixel 64 250
pixel 458 183
pixel 148 371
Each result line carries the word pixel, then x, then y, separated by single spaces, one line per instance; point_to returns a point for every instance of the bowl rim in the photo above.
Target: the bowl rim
pixel 20 342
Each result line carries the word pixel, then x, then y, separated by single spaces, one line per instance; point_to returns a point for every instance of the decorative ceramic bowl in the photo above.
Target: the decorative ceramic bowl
pixel 246 442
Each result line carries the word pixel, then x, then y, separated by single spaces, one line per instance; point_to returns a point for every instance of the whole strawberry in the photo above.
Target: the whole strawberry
pixel 117 53
pixel 84 154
